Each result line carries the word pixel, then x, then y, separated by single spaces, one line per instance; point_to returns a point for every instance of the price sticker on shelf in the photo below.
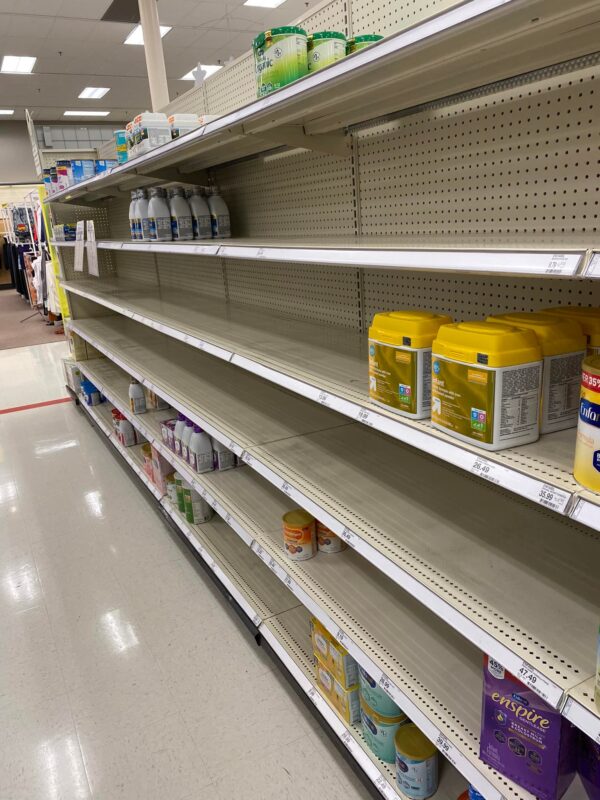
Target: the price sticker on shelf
pixel 446 748
pixel 323 398
pixel 553 498
pixel 593 269
pixel 203 492
pixel 272 564
pixel 228 518
pixel 256 620
pixel 347 739
pixel 256 548
pixel 485 469
pixel 349 537
pixel 342 638
pixel 385 789
pixel 532 678
pixel 385 683
pixel 312 693
pixel 285 487
pixel 260 253
pixel 288 581
pixel 559 264
pixel 364 416
pixel 247 458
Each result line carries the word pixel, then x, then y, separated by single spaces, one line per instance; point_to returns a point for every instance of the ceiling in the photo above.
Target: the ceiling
pixel 75 48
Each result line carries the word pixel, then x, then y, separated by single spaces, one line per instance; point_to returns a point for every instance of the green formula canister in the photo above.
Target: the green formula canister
pixel 279 58
pixel 360 42
pixel 325 48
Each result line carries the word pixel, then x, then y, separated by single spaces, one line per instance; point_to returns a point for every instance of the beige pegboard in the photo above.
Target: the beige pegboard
pixel 118 217
pixel 50 157
pixel 304 291
pixel 389 16
pixel 330 16
pixel 289 193
pixel 139 267
pixel 191 102
pixel 470 297
pixel 198 274
pixel 62 213
pixel 519 163
pixel 233 86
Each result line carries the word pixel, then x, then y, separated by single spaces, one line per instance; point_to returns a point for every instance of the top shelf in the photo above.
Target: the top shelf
pixel 476 42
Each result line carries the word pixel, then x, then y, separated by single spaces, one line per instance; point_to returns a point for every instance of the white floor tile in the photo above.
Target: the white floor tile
pixel 35 374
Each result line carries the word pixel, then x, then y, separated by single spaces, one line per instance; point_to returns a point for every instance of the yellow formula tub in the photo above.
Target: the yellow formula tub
pixel 486 383
pixel 587 318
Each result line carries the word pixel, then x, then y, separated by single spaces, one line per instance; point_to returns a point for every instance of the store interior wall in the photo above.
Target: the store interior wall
pixel 16 160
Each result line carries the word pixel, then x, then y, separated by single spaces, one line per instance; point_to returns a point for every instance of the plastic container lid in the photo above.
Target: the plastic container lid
pixel 367 37
pixel 407 328
pixel 298 518
pixel 328 35
pixel 556 336
pixel 413 744
pixel 587 318
pixel 291 29
pixel 381 718
pixel 492 344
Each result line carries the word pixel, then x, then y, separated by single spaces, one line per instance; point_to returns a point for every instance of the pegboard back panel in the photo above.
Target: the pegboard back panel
pixel 191 102
pixel 519 162
pixel 106 264
pixel 61 214
pixel 233 86
pixel 388 16
pixel 330 16
pixel 303 291
pixel 138 267
pixel 118 218
pixel 49 157
pixel 470 297
pixel 291 193
pixel 198 274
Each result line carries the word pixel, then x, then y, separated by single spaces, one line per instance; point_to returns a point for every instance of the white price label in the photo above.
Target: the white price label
pixel 530 677
pixel 247 458
pixel 257 548
pixel 342 638
pixel 385 789
pixel 272 565
pixel 385 682
pixel 553 498
pixel 285 487
pixel 228 519
pixel 312 693
pixel 203 492
pixel 288 581
pixel 260 253
pixel 232 445
pixel 364 416
pixel 348 537
pixel 446 748
pixel 559 265
pixel 323 398
pixel 347 739
pixel 213 566
pixel 567 707
pixel 256 620
pixel 593 269
pixel 485 469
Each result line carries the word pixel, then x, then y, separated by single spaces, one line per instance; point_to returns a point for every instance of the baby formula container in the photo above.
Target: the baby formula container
pixel 201 220
pixel 379 731
pixel 219 216
pixel 152 130
pixel 47 179
pixel 121 145
pixel 299 535
pixel 181 215
pixel 197 509
pixel 171 488
pixel 400 360
pixel 327 541
pixel 178 432
pixel 563 348
pixel 63 174
pixel 142 215
pixel 159 216
pixel 416 763
pixel 91 394
pixel 589 321
pixel 179 492
pixel 126 432
pixel 185 440
pixel 223 457
pixel 375 697
pixel 345 700
pixel 325 48
pixel 587 446
pixel 279 58
pixel 360 42
pixel 200 451
pixel 132 215
pixel 183 123
pixel 137 398
pixel 486 382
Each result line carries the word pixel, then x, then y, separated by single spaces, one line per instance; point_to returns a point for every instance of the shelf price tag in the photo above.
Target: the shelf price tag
pixel 247 458
pixel 342 638
pixel 364 416
pixel 286 488
pixel 349 537
pixel 256 620
pixel 312 693
pixel 593 269
pixel 272 564
pixel 79 245
pixel 323 398
pixel 446 748
pixel 347 739
pixel 288 581
pixel 485 469
pixel 260 253
pixel 532 678
pixel 559 265
pixel 228 518
pixel 553 498
pixel 257 548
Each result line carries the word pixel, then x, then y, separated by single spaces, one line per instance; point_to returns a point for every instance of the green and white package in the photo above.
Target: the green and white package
pixel 325 48
pixel 279 58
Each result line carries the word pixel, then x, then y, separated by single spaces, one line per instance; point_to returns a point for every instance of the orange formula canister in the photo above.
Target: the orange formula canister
pixel 299 535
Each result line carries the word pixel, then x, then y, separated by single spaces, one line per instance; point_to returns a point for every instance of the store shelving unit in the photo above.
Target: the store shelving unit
pixel 451 167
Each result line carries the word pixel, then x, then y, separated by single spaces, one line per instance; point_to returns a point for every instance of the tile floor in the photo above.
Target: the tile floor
pixel 110 688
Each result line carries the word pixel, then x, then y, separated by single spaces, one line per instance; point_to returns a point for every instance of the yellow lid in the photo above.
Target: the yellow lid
pixel 491 344
pixel 592 364
pixel 555 335
pixel 298 518
pixel 407 328
pixel 413 744
pixel 381 719
pixel 587 318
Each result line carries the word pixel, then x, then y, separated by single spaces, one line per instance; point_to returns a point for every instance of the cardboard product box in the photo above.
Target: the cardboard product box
pixel 345 701
pixel 160 469
pixel 331 653
pixel 523 737
pixel 73 376
pixel 589 766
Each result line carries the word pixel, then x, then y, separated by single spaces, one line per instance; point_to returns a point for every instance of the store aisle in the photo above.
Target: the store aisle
pixel 124 675
pixel 31 375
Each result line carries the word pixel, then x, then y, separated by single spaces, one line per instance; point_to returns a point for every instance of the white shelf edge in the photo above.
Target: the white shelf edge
pixel 532 677
pixel 463 764
pixel 582 718
pixel 495 262
pixel 482 463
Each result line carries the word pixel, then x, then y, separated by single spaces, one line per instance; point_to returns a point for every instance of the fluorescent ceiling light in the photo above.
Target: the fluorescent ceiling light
pixel 86 113
pixel 18 64
pixel 264 3
pixel 137 34
pixel 210 69
pixel 93 93
pixel 7 111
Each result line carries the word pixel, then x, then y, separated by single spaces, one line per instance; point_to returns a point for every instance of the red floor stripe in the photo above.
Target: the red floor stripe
pixel 35 405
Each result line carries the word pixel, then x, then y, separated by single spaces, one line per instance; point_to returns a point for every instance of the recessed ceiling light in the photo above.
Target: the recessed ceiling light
pixel 93 93
pixel 84 113
pixel 18 64
pixel 137 34
pixel 264 3
pixel 210 69
pixel 7 111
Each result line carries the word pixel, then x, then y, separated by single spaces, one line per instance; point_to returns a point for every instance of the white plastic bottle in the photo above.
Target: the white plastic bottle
pixel 159 216
pixel 219 216
pixel 223 457
pixel 126 432
pixel 137 398
pixel 201 224
pixel 185 440
pixel 143 215
pixel 181 215
pixel 132 215
pixel 179 428
pixel 201 451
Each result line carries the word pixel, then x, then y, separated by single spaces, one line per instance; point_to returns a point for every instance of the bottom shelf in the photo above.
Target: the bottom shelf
pixel 276 614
